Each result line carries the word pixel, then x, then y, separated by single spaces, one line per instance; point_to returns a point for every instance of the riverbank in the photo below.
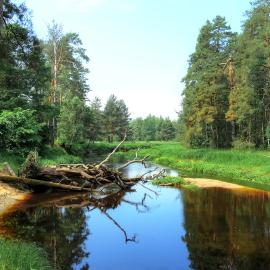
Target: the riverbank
pixel 200 183
pixel 251 168
pixel 243 167
pixel 58 155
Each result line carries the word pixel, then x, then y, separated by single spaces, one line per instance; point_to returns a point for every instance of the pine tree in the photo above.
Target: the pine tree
pixel 206 87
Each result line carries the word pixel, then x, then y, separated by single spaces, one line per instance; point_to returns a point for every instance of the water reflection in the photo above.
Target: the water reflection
pixel 227 230
pixel 60 231
pixel 150 228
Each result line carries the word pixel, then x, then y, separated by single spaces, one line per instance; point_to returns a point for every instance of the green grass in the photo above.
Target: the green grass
pixel 15 255
pixel 49 156
pixel 241 166
pixel 174 181
pixel 14 160
pixel 170 180
pixel 57 155
pixel 248 167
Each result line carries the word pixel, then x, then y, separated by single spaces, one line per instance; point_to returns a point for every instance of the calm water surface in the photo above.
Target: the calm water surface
pixel 161 229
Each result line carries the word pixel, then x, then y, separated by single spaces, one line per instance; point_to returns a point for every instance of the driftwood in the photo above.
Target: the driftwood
pixel 39 183
pixel 74 177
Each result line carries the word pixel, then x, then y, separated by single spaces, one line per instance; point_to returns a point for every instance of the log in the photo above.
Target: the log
pixel 74 177
pixel 35 182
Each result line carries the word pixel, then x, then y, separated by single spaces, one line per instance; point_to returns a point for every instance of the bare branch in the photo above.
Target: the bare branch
pixel 135 160
pixel 149 189
pixel 109 156
pixel 133 239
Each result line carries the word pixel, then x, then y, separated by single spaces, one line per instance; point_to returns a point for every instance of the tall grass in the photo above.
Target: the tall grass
pixel 251 167
pixel 15 255
pixel 49 156
pixel 57 155
pixel 14 160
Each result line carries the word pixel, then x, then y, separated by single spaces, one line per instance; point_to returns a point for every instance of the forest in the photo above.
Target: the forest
pixel 85 184
pixel 46 98
pixel 45 92
pixel 226 99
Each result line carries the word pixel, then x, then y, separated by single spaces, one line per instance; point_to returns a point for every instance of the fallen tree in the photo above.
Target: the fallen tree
pixel 73 177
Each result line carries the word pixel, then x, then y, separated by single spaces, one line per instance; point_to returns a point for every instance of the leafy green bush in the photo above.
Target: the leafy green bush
pixel 19 131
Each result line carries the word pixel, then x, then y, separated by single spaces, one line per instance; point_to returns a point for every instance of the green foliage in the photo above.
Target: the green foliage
pixel 56 156
pixel 227 93
pixel 175 181
pixel 152 128
pixel 70 124
pixel 206 86
pixel 15 255
pixel 94 121
pixel 170 180
pixel 240 144
pixel 19 131
pixel 116 118
pixel 13 160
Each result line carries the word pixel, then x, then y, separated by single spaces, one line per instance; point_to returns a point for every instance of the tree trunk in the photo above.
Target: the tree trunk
pixel 1 14
pixel 34 182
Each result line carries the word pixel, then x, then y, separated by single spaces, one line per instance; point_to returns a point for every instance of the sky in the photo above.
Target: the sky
pixel 139 49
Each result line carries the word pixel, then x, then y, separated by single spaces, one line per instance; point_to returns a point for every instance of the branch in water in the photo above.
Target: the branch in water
pixel 132 239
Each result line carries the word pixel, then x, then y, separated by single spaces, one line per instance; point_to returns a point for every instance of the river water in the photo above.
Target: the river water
pixel 151 228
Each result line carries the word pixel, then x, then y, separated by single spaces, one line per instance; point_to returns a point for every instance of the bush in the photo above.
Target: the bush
pixel 19 131
pixel 239 144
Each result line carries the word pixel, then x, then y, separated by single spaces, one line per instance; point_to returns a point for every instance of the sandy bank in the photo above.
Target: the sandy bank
pixel 9 196
pixel 212 183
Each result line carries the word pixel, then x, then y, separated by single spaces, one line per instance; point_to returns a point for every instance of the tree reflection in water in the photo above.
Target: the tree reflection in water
pixel 227 230
pixel 58 224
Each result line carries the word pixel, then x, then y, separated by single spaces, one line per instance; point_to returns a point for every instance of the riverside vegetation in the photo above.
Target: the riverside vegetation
pixel 44 106
pixel 248 167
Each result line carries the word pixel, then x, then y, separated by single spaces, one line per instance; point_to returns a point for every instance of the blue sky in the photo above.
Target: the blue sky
pixel 138 48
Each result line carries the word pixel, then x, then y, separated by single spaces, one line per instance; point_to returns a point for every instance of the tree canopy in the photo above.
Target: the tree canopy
pixel 227 94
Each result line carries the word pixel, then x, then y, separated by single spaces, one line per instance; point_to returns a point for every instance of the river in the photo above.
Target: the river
pixel 150 228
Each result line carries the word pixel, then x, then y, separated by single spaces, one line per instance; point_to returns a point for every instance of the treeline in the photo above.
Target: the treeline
pixel 227 87
pixel 153 128
pixel 44 88
pixel 44 91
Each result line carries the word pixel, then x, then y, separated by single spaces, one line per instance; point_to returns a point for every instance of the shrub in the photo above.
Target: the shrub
pixel 19 131
pixel 239 144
